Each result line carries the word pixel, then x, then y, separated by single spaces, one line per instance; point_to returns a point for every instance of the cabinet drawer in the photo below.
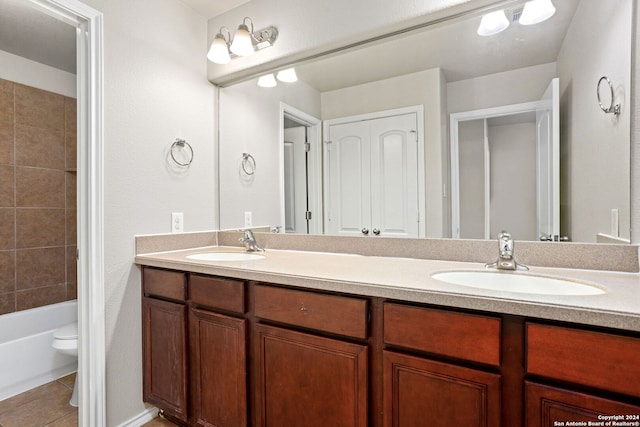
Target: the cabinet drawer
pixel 224 294
pixel 461 335
pixel 328 313
pixel 546 405
pixel 595 359
pixel 164 283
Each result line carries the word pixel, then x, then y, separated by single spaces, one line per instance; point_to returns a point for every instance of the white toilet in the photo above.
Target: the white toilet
pixel 65 340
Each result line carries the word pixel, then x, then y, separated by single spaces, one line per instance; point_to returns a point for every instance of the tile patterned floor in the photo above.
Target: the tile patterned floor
pixel 47 405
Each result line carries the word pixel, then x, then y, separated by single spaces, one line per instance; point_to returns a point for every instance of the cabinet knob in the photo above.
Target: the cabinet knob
pixel 376 231
pixel 365 231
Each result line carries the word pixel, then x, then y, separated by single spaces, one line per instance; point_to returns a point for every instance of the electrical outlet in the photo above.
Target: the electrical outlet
pixel 248 220
pixel 177 222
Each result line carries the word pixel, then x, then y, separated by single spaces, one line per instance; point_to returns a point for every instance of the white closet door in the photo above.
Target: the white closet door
pixel 394 176
pixel 295 179
pixel 348 178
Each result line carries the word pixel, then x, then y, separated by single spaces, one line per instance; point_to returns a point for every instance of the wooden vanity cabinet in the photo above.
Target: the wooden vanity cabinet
pixel 578 358
pixel 419 390
pixel 164 335
pixel 229 353
pixel 302 378
pixel 218 352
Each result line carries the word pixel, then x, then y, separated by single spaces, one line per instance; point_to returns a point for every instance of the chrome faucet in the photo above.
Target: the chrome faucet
pixel 505 260
pixel 249 241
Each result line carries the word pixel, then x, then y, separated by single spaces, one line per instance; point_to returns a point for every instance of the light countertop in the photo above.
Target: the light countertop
pixel 408 279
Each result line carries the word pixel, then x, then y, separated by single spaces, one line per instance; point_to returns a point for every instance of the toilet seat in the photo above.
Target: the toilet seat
pixel 67 332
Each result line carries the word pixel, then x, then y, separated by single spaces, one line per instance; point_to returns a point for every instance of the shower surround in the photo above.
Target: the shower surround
pixel 37 197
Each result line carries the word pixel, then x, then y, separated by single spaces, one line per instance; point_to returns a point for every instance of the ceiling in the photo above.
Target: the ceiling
pixel 452 46
pixel 27 32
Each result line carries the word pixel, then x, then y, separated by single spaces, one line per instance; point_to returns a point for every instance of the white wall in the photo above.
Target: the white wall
pixel 513 180
pixel 155 91
pixel 421 88
pixel 27 72
pixel 250 123
pixel 471 179
pixel 595 146
pixel 494 90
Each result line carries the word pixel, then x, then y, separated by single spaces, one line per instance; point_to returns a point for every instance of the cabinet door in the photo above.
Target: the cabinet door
pixel 218 369
pixel 165 355
pixel 305 380
pixel 420 392
pixel 550 406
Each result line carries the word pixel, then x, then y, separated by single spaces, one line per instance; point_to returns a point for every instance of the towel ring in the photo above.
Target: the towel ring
pixel 180 144
pixel 615 109
pixel 248 162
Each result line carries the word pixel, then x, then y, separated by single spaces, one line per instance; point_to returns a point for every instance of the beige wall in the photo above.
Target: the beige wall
pixel 422 88
pixel 155 90
pixel 250 123
pixel 494 90
pixel 595 172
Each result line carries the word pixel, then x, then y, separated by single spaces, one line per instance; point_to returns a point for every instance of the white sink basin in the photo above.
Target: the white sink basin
pixel 517 282
pixel 225 256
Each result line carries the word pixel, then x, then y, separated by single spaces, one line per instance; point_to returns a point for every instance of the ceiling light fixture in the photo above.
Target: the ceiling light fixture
pixel 288 75
pixel 492 23
pixel 245 42
pixel 267 80
pixel 536 11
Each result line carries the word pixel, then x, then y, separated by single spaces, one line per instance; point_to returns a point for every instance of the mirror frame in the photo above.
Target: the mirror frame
pixel 91 319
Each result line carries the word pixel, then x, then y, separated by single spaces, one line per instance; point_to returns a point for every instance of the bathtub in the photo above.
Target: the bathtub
pixel 27 359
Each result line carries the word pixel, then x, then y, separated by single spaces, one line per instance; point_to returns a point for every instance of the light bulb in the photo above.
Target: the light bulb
pixel 267 80
pixel 288 75
pixel 536 11
pixel 219 51
pixel 242 45
pixel 492 23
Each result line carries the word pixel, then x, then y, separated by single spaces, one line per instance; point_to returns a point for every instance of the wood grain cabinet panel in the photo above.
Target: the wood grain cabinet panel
pixel 304 380
pixel 595 359
pixel 218 293
pixel 421 392
pixel 165 358
pixel 218 369
pixel 550 406
pixel 329 313
pixel 465 336
pixel 164 283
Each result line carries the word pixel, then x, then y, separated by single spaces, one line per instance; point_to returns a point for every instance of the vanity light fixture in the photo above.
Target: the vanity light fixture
pixel 536 11
pixel 245 42
pixel 267 81
pixel 219 50
pixel 288 75
pixel 493 23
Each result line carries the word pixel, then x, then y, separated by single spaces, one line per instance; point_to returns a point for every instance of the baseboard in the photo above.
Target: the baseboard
pixel 141 418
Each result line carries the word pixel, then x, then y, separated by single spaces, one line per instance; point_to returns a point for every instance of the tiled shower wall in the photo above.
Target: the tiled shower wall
pixel 37 197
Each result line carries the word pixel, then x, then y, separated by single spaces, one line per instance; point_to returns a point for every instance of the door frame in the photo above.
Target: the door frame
pixel 464 116
pixel 90 193
pixel 419 112
pixel 314 166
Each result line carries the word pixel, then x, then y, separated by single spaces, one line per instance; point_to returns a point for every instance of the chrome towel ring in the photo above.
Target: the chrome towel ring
pixel 248 164
pixel 615 109
pixel 181 146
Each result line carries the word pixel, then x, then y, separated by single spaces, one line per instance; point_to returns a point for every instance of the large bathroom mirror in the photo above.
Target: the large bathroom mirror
pixel 437 75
